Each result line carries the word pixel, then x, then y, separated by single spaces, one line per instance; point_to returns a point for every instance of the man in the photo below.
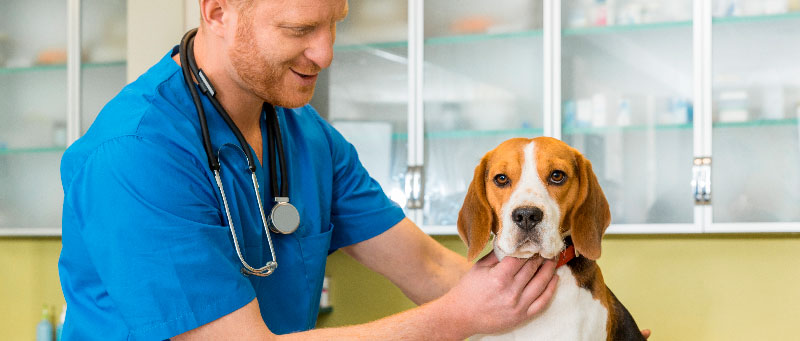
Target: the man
pixel 146 250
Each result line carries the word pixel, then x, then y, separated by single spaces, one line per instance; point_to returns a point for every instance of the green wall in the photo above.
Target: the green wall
pixel 709 287
pixel 28 280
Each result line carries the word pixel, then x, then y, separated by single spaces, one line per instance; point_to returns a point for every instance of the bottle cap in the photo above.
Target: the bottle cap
pixel 45 312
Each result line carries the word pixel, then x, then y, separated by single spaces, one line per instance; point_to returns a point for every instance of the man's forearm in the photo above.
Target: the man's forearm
pixel 443 271
pixel 431 321
pixel 520 288
pixel 421 267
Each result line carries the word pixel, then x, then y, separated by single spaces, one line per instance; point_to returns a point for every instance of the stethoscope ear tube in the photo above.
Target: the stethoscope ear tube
pixel 208 89
pixel 187 77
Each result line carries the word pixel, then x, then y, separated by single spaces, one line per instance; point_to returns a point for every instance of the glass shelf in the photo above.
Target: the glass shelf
pixel 672 24
pixel 752 18
pixel 532 132
pixel 32 150
pixel 451 134
pixel 757 123
pixel 685 126
pixel 117 63
pixel 39 68
pixel 443 40
pixel 611 129
pixel 469 38
pixel 371 46
pixel 624 28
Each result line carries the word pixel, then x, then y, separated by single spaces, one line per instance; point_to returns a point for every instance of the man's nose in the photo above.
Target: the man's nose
pixel 527 217
pixel 320 51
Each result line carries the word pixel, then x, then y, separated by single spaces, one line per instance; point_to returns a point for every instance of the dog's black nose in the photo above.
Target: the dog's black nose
pixel 527 217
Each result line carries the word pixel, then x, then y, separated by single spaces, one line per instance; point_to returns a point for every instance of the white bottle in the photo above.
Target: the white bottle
pixel 324 300
pixel 60 324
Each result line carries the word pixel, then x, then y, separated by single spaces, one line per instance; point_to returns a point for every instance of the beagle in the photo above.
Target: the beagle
pixel 540 196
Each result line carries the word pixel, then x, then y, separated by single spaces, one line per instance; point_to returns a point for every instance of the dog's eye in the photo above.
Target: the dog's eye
pixel 501 180
pixel 558 177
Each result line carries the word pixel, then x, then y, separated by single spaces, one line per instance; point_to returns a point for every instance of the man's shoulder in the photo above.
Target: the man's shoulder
pixel 157 94
pixel 151 108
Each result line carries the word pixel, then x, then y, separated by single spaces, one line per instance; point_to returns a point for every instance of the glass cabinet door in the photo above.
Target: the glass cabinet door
pixel 483 80
pixel 756 105
pixel 103 53
pixel 364 93
pixel 33 91
pixel 627 103
pixel 33 99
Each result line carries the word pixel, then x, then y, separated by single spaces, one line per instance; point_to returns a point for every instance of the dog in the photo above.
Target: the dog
pixel 540 196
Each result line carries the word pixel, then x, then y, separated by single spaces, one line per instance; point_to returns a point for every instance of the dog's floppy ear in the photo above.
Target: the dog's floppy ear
pixel 590 216
pixel 476 219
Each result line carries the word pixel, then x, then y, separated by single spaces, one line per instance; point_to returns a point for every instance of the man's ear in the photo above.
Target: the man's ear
pixel 476 219
pixel 213 15
pixel 590 215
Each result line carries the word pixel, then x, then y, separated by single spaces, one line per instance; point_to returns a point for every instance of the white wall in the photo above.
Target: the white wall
pixel 155 26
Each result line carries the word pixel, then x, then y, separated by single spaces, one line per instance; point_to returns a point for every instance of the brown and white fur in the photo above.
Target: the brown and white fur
pixel 535 195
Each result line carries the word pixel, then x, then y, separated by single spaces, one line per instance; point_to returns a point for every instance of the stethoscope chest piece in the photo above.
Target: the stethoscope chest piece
pixel 284 217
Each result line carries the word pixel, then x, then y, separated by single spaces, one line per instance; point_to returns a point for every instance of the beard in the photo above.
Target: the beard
pixel 264 76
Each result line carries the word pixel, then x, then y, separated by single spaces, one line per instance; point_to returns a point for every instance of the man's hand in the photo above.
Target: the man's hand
pixel 494 296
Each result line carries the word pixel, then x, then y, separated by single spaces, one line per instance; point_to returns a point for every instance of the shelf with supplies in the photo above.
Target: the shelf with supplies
pixel 57 67
pixel 576 31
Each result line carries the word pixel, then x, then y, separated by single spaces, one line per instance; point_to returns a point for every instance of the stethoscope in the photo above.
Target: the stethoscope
pixel 284 217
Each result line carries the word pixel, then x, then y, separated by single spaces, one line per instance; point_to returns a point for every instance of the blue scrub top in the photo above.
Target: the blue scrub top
pixel 147 252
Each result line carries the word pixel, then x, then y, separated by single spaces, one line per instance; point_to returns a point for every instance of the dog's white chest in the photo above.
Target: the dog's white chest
pixel 573 314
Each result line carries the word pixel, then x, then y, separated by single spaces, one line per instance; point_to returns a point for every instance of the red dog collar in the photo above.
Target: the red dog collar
pixel 567 255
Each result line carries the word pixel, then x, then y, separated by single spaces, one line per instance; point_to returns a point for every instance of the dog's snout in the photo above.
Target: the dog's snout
pixel 527 217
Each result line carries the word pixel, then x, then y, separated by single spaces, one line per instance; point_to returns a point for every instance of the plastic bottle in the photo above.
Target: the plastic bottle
pixel 44 330
pixel 60 325
pixel 324 299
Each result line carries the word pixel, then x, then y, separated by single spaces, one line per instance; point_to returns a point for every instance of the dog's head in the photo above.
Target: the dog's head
pixel 531 193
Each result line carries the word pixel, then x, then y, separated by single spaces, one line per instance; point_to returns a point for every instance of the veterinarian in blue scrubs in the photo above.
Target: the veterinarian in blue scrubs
pixel 153 221
pixel 147 251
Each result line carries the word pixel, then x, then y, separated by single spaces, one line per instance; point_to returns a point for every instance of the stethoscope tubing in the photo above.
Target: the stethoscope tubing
pixel 190 70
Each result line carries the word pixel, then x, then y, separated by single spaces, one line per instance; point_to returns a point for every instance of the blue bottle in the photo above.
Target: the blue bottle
pixel 44 330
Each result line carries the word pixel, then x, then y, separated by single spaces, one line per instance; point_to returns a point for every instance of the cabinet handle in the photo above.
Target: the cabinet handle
pixel 414 187
pixel 701 180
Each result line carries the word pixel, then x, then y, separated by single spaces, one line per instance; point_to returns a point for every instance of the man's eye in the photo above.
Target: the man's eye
pixel 558 177
pixel 501 180
pixel 299 30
